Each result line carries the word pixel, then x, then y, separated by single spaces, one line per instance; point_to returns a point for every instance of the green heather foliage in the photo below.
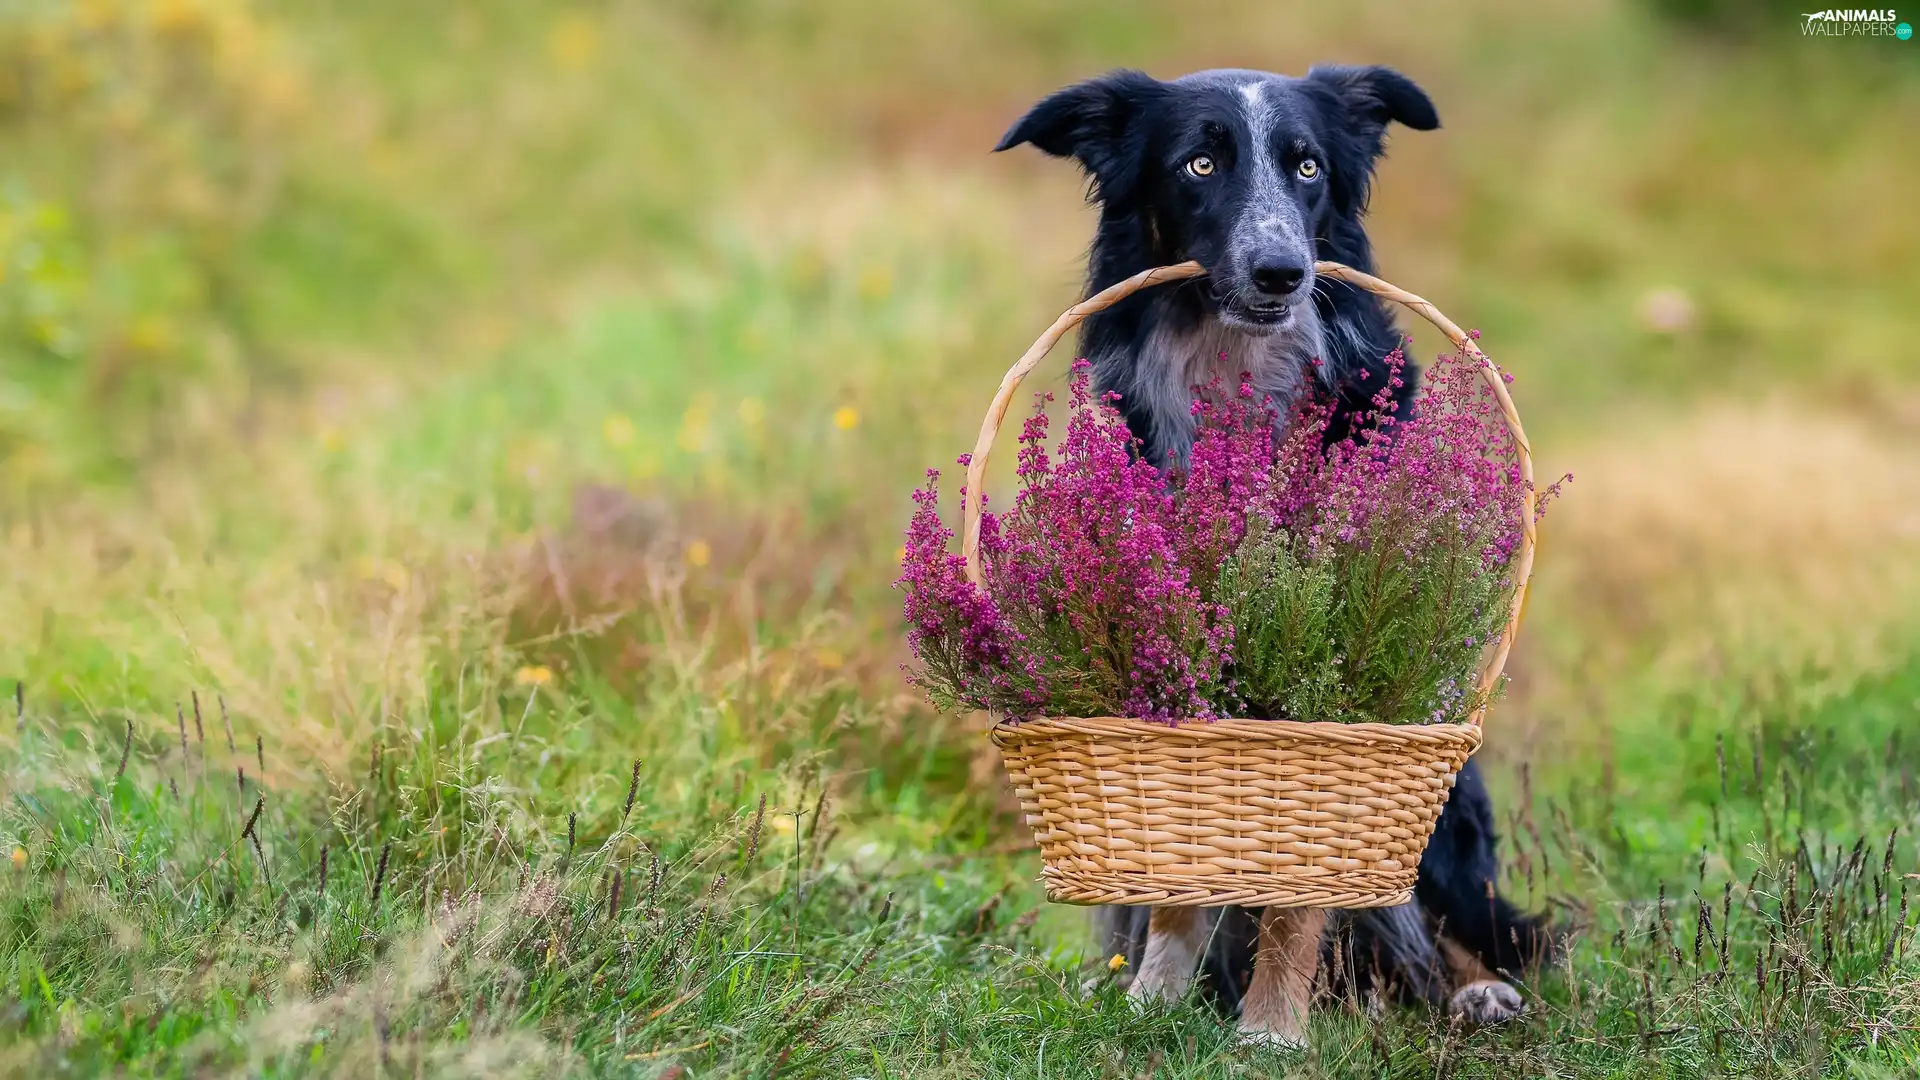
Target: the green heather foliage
pixel 1377 581
pixel 1359 635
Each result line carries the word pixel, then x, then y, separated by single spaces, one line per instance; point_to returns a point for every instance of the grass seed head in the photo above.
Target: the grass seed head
pixel 380 874
pixel 753 832
pixel 126 750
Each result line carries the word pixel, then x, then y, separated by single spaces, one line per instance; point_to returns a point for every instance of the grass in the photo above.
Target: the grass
pixel 475 900
pixel 475 400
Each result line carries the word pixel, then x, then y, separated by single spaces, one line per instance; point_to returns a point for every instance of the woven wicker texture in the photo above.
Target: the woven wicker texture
pixel 1250 812
pixel 1231 812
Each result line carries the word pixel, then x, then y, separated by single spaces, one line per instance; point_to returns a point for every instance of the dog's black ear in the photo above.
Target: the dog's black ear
pixel 1087 121
pixel 1360 102
pixel 1376 95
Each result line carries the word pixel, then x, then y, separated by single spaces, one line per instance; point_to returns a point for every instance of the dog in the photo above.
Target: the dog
pixel 1256 175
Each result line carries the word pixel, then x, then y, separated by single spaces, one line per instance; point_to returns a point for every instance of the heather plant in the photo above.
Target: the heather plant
pixel 1370 585
pixel 1092 605
pixel 1357 579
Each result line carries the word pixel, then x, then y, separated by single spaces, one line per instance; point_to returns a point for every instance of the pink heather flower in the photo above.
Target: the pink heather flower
pixel 1409 481
pixel 1097 579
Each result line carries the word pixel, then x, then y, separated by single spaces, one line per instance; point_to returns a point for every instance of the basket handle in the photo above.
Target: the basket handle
pixel 1496 659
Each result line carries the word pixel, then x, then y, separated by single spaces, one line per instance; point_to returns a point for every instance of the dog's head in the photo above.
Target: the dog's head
pixel 1250 173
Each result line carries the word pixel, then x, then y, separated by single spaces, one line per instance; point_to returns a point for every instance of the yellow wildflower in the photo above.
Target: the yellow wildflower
pixel 1119 961
pixel 617 429
pixel 533 675
pixel 574 41
pixel 150 334
pixel 693 428
pixel 176 16
pixel 846 418
pixel 876 283
pixel 698 553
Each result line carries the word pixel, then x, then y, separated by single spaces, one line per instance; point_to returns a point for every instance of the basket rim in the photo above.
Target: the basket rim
pixel 1149 889
pixel 1237 729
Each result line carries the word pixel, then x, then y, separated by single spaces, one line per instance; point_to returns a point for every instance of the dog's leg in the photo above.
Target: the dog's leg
pixel 1480 996
pixel 1176 936
pixel 1275 1010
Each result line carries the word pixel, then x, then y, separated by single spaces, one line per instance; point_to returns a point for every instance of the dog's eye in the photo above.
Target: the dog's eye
pixel 1308 169
pixel 1200 166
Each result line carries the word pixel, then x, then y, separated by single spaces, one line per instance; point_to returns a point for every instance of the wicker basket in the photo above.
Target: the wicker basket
pixel 1251 812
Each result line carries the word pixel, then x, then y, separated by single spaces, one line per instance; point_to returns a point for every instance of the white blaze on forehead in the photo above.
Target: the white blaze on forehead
pixel 1272 213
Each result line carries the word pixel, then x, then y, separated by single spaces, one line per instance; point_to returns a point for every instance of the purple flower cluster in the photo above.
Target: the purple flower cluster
pixel 1409 485
pixel 1115 589
pixel 1091 605
pixel 970 655
pixel 1228 474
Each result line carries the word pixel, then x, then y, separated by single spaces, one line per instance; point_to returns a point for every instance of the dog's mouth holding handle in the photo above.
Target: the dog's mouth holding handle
pixel 1235 309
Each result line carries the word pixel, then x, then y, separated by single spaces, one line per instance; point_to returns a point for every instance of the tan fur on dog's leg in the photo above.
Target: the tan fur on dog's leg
pixel 1274 1010
pixel 1176 936
pixel 1481 996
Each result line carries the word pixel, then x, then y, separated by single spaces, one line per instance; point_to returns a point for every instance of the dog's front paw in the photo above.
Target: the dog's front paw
pixel 1488 1001
pixel 1270 1038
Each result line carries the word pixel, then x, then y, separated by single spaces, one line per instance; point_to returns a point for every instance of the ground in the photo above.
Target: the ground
pixel 453 461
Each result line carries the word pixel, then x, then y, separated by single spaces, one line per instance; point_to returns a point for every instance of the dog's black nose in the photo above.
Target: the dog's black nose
pixel 1276 278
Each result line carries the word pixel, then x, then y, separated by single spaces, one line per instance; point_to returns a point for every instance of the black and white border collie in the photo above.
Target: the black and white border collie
pixel 1256 175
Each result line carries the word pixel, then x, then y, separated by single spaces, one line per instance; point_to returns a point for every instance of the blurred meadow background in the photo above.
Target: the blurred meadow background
pixel 453 460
